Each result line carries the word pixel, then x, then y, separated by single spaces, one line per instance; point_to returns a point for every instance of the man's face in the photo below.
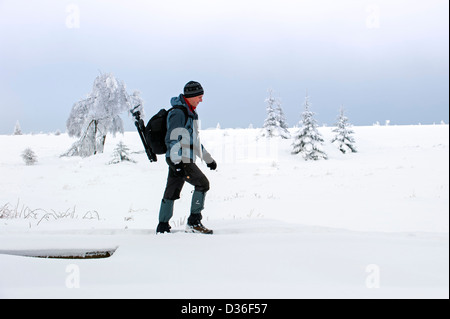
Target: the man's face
pixel 195 101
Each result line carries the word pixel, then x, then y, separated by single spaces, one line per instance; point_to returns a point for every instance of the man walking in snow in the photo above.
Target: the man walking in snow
pixel 183 147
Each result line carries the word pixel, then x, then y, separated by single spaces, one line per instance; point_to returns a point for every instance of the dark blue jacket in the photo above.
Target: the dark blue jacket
pixel 185 142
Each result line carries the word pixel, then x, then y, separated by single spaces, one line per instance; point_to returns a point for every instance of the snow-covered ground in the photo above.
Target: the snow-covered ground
pixel 372 224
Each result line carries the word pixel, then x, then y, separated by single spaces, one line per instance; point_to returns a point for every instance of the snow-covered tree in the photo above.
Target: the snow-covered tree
pixel 308 141
pixel 275 123
pixel 29 156
pixel 135 100
pixel 343 138
pixel 283 126
pixel 98 114
pixel 120 154
pixel 270 124
pixel 17 129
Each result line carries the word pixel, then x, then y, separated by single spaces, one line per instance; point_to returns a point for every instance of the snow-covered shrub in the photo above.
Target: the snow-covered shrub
pixel 29 156
pixel 120 154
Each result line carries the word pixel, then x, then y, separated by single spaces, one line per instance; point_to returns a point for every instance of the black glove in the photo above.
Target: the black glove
pixel 177 169
pixel 212 166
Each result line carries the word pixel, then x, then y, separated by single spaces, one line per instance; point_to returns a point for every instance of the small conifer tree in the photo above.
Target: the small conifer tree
pixel 343 138
pixel 275 123
pixel 17 129
pixel 308 141
pixel 121 154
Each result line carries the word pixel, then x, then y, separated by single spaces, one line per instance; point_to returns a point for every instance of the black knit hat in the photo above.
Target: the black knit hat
pixel 192 89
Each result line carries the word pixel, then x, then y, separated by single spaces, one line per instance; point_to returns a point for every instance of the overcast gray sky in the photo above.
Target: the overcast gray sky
pixel 383 60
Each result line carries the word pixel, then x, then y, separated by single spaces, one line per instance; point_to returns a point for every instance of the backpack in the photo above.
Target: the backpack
pixel 156 129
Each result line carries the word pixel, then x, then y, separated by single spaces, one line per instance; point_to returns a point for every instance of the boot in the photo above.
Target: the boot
pixel 194 225
pixel 163 227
